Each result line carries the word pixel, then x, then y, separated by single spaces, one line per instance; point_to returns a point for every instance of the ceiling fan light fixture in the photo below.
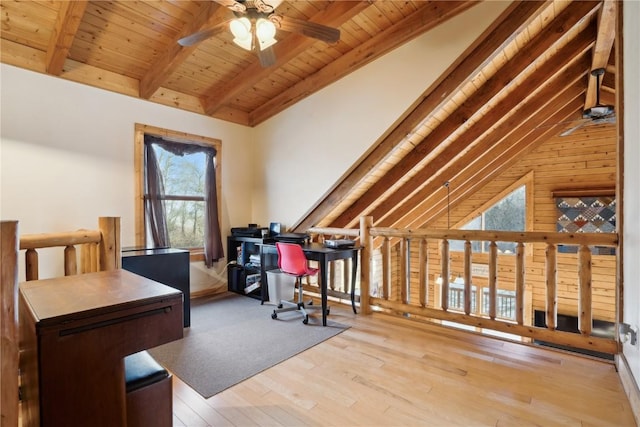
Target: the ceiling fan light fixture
pixel 265 32
pixel 241 30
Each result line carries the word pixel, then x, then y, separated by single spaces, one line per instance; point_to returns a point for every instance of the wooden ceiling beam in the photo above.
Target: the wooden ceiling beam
pixel 543 41
pixel 334 15
pixel 495 162
pixel 432 14
pixel 565 85
pixel 66 27
pixel 175 54
pixel 602 48
pixel 504 29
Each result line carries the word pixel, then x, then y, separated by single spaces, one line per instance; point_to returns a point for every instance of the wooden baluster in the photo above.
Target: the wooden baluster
pixel 585 299
pixel 423 256
pixel 551 307
pixel 386 268
pixel 70 261
pixel 467 277
pixel 31 264
pixel 493 278
pixel 444 297
pixel 520 283
pixel 366 223
pixel 404 266
pixel 347 266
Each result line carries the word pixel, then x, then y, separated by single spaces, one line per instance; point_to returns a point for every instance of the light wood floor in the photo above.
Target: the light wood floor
pixel 385 371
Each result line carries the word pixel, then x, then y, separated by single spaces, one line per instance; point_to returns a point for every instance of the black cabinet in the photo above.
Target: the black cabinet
pixel 248 264
pixel 168 266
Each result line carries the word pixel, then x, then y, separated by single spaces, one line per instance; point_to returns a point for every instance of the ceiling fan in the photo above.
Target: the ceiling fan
pixel 597 114
pixel 254 28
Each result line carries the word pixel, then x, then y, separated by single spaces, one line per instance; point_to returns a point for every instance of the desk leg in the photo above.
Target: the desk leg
pixel 354 269
pixel 324 264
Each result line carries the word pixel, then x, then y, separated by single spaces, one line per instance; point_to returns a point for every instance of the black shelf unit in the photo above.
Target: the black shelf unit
pixel 240 251
pixel 168 266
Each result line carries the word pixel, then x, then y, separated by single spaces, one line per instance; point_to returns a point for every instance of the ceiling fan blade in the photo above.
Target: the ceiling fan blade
pixel 309 29
pixel 267 57
pixel 235 6
pixel 574 128
pixel 202 35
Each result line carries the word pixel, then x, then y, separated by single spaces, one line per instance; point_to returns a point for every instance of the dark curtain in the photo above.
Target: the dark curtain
pixel 213 250
pixel 154 204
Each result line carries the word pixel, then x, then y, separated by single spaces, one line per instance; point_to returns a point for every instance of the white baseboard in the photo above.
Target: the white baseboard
pixel 630 385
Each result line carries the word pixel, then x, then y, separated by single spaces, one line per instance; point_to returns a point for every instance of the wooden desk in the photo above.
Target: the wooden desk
pixel 323 255
pixel 75 332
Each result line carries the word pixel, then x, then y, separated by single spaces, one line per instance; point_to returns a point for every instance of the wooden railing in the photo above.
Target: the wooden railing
pixel 391 271
pixel 100 249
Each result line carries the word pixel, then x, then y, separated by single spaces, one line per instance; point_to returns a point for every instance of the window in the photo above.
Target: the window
pixel 178 192
pixel 508 214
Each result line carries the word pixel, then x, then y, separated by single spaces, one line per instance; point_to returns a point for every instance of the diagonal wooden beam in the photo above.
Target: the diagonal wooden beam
pixel 504 29
pixel 66 27
pixel 428 16
pixel 174 55
pixel 334 15
pixel 543 41
pixel 566 85
pixel 476 135
pixel 602 49
pixel 497 160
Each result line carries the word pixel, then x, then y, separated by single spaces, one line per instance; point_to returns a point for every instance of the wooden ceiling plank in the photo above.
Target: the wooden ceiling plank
pixel 66 26
pixel 603 47
pixel 430 15
pixel 543 41
pixel 334 15
pixel 498 34
pixel 175 54
pixel 565 84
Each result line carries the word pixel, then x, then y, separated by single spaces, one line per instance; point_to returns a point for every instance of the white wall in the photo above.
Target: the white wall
pixel 321 137
pixel 66 154
pixel 631 197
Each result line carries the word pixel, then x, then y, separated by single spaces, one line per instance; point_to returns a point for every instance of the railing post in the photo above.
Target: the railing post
pixel 404 267
pixel 9 402
pixel 467 277
pixel 70 261
pixel 584 298
pixel 520 283
pixel 551 306
pixel 110 246
pixel 31 264
pixel 386 268
pixel 366 271
pixel 423 281
pixel 493 278
pixel 444 297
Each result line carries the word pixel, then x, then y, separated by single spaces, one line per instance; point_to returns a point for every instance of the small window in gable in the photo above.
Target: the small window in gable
pixel 508 214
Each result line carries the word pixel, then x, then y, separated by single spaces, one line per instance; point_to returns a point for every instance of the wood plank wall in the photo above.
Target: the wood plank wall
pixel 585 159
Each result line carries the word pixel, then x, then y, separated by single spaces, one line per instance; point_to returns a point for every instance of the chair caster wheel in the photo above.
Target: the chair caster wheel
pixel 279 305
pixel 274 315
pixel 310 303
pixel 305 320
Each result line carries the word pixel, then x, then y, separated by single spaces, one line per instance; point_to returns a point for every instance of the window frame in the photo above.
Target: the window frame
pixel 139 172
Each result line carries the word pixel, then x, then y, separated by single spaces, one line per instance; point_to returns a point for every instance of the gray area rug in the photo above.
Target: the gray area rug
pixel 233 337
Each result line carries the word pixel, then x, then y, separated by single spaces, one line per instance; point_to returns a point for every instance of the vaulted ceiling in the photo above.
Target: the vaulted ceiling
pixel 526 78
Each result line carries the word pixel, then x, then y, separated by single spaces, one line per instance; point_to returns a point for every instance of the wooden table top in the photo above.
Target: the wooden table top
pixel 67 298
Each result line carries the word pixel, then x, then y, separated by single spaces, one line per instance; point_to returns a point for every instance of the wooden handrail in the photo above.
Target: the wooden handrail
pixel 520 324
pixel 100 249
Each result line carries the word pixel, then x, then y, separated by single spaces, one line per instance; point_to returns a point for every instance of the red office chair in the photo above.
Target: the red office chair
pixel 292 261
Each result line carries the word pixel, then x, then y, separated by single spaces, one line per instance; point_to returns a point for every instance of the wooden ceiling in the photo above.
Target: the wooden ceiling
pixel 131 47
pixel 524 80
